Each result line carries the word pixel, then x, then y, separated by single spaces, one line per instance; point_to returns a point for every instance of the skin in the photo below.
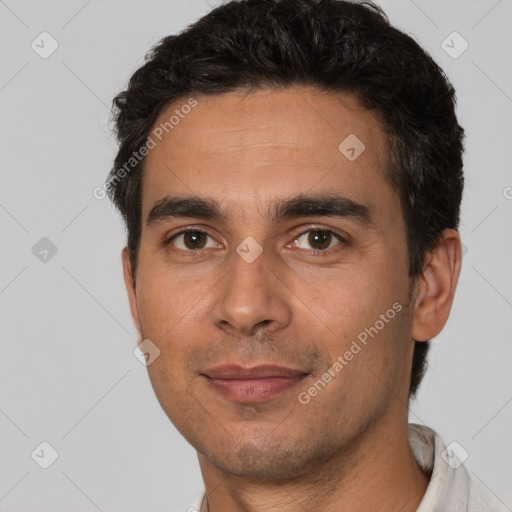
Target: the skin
pixel 347 449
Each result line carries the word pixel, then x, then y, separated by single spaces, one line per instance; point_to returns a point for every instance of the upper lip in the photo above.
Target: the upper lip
pixel 234 372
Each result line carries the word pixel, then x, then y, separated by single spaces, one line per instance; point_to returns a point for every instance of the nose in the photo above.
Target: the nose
pixel 252 296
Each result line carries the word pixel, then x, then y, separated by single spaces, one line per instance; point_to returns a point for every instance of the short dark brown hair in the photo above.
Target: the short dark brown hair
pixel 333 45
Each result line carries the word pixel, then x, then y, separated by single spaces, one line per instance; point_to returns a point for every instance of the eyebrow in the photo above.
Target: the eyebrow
pixel 303 205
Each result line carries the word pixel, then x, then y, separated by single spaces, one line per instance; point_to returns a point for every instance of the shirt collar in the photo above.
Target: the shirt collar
pixel 450 487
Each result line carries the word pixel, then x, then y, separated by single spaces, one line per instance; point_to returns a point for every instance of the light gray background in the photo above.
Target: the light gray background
pixel 68 374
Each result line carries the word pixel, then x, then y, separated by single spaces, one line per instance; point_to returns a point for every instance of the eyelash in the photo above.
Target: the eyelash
pixel 315 252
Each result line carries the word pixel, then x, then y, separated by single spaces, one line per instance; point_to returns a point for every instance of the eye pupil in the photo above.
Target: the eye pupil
pixel 319 237
pixel 193 237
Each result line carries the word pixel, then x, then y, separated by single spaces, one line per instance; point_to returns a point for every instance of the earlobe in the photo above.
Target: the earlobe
pixel 435 288
pixel 129 282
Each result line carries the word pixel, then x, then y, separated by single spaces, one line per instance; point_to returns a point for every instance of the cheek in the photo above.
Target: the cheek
pixel 369 363
pixel 168 300
pixel 360 316
pixel 169 319
pixel 173 307
pixel 345 300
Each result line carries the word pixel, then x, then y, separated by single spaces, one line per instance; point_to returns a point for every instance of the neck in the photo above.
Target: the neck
pixel 376 472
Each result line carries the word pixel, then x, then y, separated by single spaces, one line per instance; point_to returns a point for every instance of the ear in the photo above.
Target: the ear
pixel 129 282
pixel 435 287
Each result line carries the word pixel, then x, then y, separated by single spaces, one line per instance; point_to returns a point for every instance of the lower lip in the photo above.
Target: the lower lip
pixel 253 390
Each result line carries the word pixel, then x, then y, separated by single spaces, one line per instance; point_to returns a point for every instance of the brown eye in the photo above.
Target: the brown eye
pixel 322 238
pixel 190 240
pixel 194 240
pixel 318 239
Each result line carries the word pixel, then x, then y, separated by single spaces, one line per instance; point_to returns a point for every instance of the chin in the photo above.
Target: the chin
pixel 267 457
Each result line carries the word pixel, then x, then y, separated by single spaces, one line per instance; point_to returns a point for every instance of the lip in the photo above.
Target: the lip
pixel 254 384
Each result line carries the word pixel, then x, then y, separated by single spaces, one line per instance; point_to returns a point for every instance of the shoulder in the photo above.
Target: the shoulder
pixel 453 485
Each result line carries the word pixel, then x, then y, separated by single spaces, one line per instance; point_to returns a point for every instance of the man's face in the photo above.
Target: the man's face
pixel 217 307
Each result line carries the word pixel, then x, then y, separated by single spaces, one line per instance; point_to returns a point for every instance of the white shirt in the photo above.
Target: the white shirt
pixel 451 489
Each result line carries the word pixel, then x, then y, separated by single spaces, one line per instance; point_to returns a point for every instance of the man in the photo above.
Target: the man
pixel 290 173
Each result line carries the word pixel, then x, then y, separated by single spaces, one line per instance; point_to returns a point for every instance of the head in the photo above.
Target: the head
pixel 250 116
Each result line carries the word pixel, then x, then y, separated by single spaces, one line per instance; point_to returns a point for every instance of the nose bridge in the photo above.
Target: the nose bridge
pixel 251 294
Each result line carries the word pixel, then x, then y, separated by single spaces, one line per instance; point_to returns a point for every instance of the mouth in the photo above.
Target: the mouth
pixel 252 385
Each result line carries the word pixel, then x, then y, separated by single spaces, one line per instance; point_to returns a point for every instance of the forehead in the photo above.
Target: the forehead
pixel 247 147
